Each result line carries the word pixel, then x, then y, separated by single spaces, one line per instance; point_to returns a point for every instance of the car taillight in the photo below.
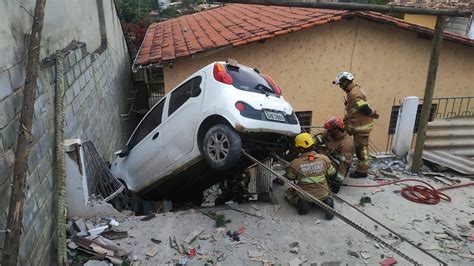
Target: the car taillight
pixel 272 83
pixel 240 106
pixel 221 75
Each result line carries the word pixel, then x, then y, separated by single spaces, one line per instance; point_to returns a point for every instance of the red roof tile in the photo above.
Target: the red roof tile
pixel 239 24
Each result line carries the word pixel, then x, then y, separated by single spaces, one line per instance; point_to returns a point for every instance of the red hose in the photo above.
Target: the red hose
pixel 425 193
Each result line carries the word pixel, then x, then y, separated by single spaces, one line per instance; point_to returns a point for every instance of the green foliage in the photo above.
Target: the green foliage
pixel 169 12
pixel 135 10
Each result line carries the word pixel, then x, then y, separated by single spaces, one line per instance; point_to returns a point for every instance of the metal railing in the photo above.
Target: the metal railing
pixel 442 107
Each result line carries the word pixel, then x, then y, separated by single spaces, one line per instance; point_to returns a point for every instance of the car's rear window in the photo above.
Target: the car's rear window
pixel 249 80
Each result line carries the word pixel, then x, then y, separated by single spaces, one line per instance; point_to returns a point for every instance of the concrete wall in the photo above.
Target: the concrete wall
pixel 97 79
pixel 387 62
pixel 460 26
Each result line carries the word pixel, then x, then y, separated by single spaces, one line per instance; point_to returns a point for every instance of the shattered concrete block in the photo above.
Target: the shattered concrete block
pixel 193 235
pixel 152 252
pixel 80 225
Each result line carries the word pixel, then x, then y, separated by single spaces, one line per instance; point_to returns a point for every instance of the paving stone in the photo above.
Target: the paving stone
pixel 44 167
pixel 17 101
pixel 41 220
pixel 18 75
pixel 42 194
pixel 34 157
pixel 31 210
pixel 32 181
pixel 70 77
pixel 5 85
pixel 46 143
pixel 71 59
pixel 76 88
pixel 27 240
pixel 77 71
pixel 10 133
pixel 37 130
pixel 5 189
pixel 5 169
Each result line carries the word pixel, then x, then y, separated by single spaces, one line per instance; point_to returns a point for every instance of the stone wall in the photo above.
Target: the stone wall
pixel 97 80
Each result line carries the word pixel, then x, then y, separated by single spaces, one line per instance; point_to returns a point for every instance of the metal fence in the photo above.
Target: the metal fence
pixel 156 91
pixel 442 107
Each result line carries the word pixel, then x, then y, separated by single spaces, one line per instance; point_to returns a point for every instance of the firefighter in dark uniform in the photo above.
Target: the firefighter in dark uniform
pixel 310 170
pixel 359 119
pixel 339 146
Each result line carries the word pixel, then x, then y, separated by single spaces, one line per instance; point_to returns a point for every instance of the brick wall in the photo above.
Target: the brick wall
pixel 96 87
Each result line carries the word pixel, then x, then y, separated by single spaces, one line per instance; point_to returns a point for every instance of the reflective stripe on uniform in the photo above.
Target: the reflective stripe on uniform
pixel 361 128
pixel 314 179
pixel 361 103
pixel 331 170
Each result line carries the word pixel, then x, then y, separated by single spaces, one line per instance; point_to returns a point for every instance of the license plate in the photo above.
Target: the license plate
pixel 274 116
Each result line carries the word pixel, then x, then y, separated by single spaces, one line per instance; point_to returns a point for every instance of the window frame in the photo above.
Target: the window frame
pixel 191 93
pixel 163 102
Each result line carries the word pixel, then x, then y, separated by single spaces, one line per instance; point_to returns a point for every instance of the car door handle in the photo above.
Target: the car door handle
pixel 155 136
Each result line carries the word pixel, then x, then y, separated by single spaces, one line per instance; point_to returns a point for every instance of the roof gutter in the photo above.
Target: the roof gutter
pixel 357 7
pixel 134 66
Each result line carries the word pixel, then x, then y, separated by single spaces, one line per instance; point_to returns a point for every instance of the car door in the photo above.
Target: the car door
pixel 183 113
pixel 147 157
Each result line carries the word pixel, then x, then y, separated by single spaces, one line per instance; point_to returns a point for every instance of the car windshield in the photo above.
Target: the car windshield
pixel 249 80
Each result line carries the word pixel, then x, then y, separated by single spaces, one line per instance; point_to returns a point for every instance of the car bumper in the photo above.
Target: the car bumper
pixel 245 125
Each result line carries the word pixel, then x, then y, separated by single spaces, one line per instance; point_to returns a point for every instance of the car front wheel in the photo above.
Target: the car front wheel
pixel 222 147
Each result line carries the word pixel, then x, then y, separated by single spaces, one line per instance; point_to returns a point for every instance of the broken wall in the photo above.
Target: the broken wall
pixel 388 62
pixel 96 80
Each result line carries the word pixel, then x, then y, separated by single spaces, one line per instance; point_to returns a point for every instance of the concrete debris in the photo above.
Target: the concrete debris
pixel 353 254
pixel 96 263
pixel 190 238
pixel 148 217
pixel 365 254
pixel 72 245
pixel 204 236
pixel 152 252
pixel 317 221
pixel 294 244
pixel 183 261
pixel 296 262
pixel 89 225
pixel 256 254
pixel 98 230
pixel 295 250
pixel 156 241
pixel 113 234
pixel 466 256
pixel 113 222
pixel 80 225
pixel 453 235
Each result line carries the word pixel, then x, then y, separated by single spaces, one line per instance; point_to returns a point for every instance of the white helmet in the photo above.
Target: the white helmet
pixel 341 76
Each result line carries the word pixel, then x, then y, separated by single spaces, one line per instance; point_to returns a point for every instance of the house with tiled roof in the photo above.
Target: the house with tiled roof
pixel 303 49
pixel 460 26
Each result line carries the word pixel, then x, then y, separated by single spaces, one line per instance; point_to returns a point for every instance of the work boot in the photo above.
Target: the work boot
pixel 303 207
pixel 335 187
pixel 330 202
pixel 357 174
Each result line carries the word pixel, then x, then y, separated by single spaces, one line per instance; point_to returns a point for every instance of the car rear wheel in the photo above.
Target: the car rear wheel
pixel 222 147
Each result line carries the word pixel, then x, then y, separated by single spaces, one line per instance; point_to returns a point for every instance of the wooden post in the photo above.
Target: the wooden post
pixel 15 213
pixel 429 91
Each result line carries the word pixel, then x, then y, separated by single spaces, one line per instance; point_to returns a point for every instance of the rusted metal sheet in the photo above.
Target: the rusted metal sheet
pixel 450 142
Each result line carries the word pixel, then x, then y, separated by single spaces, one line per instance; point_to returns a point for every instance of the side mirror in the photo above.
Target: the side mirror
pixel 123 152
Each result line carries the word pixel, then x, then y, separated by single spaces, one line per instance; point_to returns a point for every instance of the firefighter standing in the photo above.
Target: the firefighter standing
pixel 310 170
pixel 359 120
pixel 340 146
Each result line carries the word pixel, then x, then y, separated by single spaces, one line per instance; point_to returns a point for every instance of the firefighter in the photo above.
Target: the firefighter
pixel 310 170
pixel 339 146
pixel 359 121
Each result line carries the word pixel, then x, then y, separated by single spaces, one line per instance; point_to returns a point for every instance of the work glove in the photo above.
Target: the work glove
pixel 375 115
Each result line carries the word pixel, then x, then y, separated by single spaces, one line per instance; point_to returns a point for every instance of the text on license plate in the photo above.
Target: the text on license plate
pixel 274 116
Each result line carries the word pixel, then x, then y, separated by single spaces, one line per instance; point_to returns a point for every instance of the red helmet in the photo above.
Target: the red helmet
pixel 333 123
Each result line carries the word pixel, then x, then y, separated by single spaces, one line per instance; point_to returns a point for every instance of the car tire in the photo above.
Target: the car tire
pixel 222 147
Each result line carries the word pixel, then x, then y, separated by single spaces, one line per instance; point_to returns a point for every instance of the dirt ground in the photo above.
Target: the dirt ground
pixel 319 241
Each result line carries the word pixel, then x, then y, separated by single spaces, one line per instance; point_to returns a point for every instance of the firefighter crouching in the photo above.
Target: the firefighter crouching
pixel 339 146
pixel 316 168
pixel 359 120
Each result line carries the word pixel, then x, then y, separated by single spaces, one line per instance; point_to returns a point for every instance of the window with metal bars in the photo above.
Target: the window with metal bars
pixel 394 117
pixel 305 118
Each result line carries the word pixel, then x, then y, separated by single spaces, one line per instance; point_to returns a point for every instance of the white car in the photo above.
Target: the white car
pixel 193 137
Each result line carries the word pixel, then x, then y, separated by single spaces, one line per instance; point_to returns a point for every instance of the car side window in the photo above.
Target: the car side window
pixel 150 122
pixel 179 96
